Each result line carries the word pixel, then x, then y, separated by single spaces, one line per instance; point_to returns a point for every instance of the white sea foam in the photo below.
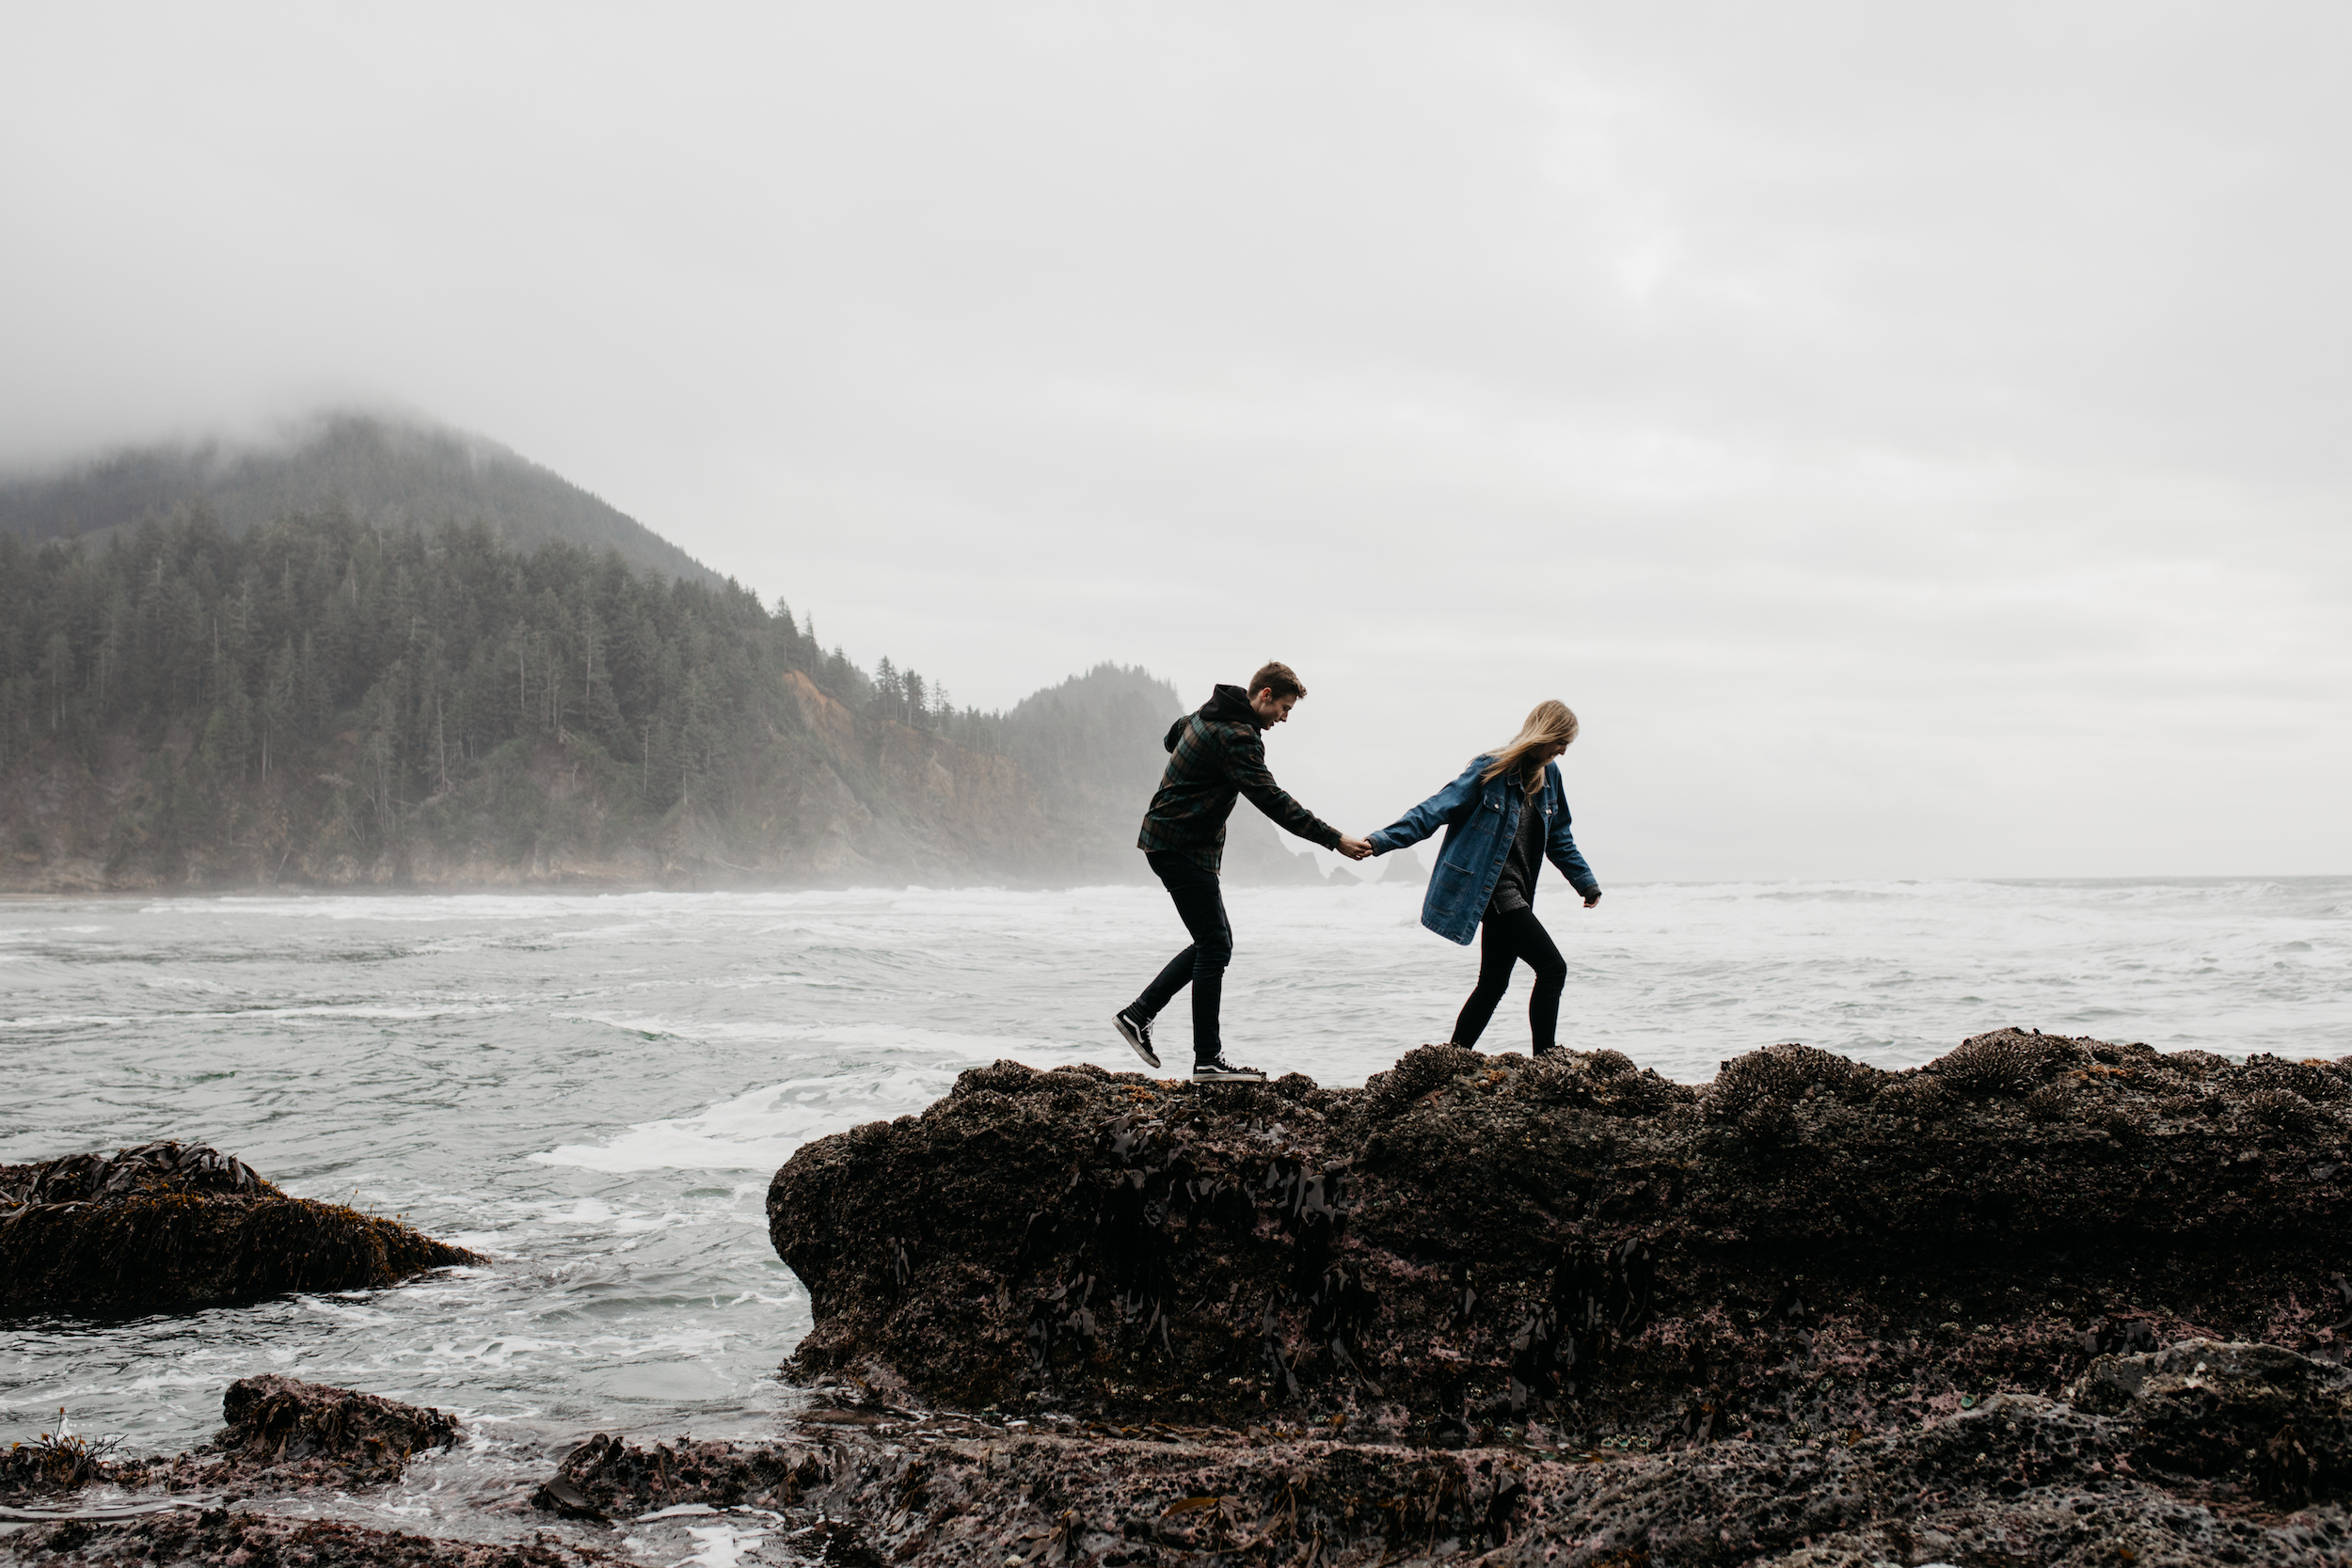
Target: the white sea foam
pixel 721 1546
pixel 756 1130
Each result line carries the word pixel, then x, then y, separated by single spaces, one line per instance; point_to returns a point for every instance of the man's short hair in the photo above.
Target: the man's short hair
pixel 1278 676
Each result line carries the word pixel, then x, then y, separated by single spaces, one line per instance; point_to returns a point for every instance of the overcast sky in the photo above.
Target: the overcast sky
pixel 1914 440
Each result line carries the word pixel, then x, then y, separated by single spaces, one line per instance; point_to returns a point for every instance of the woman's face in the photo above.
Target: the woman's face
pixel 1552 754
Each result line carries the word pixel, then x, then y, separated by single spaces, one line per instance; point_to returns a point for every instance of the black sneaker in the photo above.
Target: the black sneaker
pixel 1217 1070
pixel 1137 1033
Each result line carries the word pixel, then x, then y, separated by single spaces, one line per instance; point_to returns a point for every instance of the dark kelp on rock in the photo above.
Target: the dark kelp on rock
pixel 1805 1245
pixel 171 1225
pixel 284 1435
pixel 1574 1256
pixel 219 1535
pixel 2019 1479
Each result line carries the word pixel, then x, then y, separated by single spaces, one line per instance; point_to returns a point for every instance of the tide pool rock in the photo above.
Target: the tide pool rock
pixel 172 1225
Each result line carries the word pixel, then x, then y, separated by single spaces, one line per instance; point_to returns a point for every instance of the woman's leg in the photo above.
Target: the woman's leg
pixel 1505 940
pixel 1551 976
pixel 1495 954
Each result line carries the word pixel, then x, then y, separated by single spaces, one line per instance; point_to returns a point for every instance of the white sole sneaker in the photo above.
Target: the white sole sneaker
pixel 1223 1074
pixel 1138 1036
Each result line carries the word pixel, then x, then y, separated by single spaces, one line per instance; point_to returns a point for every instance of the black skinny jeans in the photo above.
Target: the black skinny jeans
pixel 1202 906
pixel 1504 939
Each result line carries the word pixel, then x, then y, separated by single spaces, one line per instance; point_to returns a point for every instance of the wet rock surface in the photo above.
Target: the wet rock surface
pixel 170 1226
pixel 2023 1480
pixel 2038 1301
pixel 242 1539
pixel 284 1436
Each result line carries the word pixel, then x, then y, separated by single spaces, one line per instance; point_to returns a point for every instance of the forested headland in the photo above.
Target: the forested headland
pixel 319 700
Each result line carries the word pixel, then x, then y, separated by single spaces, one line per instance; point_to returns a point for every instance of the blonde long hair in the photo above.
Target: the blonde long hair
pixel 1549 723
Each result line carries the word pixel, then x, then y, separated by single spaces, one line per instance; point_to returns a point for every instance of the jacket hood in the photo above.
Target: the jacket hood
pixel 1228 705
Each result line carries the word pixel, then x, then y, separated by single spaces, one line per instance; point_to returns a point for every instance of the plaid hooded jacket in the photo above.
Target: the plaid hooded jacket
pixel 1213 755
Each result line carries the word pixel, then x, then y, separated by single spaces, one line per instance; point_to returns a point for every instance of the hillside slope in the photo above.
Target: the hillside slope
pixel 1092 745
pixel 319 701
pixel 388 472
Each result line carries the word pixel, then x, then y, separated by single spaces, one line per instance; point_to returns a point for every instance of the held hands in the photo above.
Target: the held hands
pixel 1357 849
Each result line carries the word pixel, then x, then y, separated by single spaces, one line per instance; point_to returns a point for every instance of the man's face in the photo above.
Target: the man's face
pixel 1269 708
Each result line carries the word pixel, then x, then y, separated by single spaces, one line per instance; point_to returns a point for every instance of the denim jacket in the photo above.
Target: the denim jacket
pixel 1481 818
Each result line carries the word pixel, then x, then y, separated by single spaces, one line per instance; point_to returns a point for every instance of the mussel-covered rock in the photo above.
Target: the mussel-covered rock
pixel 171 1225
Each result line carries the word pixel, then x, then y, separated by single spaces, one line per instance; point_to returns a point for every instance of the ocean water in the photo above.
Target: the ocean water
pixel 594 1091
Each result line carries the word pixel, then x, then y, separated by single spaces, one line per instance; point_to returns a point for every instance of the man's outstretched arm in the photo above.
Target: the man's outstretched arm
pixel 1246 765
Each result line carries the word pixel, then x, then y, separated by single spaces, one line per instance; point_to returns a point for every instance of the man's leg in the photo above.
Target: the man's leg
pixel 1211 950
pixel 1497 953
pixel 1200 904
pixel 1172 978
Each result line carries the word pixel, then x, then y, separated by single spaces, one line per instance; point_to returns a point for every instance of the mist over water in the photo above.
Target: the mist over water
pixel 594 1091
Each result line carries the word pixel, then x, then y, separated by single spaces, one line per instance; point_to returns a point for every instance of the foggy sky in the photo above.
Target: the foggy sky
pixel 1914 442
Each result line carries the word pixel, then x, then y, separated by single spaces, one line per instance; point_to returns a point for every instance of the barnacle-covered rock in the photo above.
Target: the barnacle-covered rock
pixel 1427 1069
pixel 2205 1408
pixel 2010 1061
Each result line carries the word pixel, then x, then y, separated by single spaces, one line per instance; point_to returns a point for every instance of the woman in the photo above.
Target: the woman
pixel 1502 817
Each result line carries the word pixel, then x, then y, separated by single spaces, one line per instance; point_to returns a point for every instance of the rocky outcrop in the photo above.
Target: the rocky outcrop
pixel 171 1225
pixel 1980 1297
pixel 220 1535
pixel 2019 1479
pixel 284 1435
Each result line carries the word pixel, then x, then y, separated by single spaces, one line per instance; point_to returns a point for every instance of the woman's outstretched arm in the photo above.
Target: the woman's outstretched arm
pixel 1441 809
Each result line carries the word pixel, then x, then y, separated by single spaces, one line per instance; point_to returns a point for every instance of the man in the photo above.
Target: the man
pixel 1214 755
